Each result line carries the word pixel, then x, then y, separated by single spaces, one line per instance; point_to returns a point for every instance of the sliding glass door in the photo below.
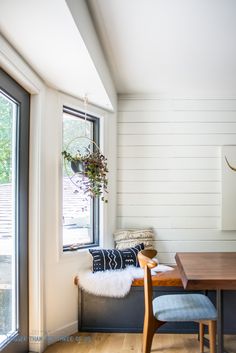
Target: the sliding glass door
pixel 14 137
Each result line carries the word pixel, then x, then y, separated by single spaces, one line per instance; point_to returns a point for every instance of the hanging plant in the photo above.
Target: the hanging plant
pixel 92 168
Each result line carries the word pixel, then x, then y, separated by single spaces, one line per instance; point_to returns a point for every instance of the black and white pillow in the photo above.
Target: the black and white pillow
pixel 113 259
pixel 107 259
pixel 130 255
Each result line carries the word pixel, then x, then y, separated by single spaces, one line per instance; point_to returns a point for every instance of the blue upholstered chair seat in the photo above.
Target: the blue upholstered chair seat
pixel 183 307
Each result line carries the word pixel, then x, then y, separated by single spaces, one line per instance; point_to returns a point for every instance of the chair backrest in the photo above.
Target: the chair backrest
pixel 146 262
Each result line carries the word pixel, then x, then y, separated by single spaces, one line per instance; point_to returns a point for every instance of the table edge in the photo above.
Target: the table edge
pixel 181 271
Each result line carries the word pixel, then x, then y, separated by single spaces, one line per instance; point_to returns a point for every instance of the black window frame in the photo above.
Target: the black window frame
pixel 96 203
pixel 19 342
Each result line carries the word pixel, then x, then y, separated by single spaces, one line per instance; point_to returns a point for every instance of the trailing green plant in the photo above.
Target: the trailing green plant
pixel 92 167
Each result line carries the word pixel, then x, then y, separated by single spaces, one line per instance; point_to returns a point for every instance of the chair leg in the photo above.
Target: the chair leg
pixel 212 336
pixel 148 333
pixel 201 336
pixel 149 328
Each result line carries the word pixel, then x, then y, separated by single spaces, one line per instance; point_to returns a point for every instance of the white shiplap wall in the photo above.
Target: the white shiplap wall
pixel 169 171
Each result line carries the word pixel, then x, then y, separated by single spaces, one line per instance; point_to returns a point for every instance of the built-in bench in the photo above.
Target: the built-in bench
pixel 103 314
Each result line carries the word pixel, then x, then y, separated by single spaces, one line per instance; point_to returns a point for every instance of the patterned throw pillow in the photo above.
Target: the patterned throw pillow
pixel 125 238
pixel 130 255
pixel 113 259
pixel 107 259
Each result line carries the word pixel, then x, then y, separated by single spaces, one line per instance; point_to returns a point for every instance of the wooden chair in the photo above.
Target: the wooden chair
pixel 174 307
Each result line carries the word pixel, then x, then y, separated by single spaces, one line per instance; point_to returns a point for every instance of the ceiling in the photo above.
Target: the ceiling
pixel 183 48
pixel 46 36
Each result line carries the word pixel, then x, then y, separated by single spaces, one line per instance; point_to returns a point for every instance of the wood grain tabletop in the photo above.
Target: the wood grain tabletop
pixel 207 270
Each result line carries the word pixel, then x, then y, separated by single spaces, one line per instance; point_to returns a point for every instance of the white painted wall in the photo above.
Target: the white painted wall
pixel 53 295
pixel 169 170
pixel 61 300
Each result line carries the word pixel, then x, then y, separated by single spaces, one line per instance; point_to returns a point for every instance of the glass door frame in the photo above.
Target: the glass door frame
pixel 19 341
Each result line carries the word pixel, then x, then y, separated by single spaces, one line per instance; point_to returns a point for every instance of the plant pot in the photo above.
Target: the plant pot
pixel 77 166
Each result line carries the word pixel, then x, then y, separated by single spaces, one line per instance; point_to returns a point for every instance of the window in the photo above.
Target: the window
pixel 14 152
pixel 80 212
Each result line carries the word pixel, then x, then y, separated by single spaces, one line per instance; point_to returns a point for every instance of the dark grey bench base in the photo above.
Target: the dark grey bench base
pixel 101 314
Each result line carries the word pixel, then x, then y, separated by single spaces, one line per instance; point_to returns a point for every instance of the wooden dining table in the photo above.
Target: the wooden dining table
pixel 209 271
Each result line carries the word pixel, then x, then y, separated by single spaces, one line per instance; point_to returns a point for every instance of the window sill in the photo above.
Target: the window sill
pixel 77 254
pixel 71 248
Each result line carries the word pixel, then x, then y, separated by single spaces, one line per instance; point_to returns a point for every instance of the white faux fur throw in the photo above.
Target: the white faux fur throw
pixel 112 283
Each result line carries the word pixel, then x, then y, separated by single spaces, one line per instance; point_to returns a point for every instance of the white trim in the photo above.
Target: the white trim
pixel 79 100
pixel 76 103
pixel 64 331
pixel 36 241
pixel 19 70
